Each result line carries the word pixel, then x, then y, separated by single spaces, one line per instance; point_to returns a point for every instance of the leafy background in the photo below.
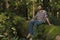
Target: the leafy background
pixel 15 14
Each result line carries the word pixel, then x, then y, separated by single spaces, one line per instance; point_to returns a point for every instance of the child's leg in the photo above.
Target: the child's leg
pixel 31 23
pixel 35 27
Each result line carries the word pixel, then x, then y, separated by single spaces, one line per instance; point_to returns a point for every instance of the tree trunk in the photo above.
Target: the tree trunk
pixel 7 5
pixel 33 9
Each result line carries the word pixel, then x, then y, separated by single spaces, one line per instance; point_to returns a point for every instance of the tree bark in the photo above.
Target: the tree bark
pixel 33 9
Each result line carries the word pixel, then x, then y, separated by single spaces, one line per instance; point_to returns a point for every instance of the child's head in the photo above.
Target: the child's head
pixel 40 6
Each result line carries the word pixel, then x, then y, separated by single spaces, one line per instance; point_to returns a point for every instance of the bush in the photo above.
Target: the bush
pixel 11 26
pixel 46 32
pixel 54 20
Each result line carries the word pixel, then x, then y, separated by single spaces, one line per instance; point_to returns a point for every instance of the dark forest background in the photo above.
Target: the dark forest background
pixel 15 14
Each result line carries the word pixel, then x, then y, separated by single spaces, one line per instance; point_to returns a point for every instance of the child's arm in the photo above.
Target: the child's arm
pixel 48 21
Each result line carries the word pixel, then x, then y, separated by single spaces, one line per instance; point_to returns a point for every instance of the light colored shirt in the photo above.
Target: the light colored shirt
pixel 40 16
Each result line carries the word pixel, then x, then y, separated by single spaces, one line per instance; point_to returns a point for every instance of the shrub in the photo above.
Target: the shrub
pixel 11 26
pixel 46 32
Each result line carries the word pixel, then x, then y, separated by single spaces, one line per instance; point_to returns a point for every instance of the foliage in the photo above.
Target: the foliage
pixel 13 15
pixel 54 20
pixel 9 24
pixel 46 32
